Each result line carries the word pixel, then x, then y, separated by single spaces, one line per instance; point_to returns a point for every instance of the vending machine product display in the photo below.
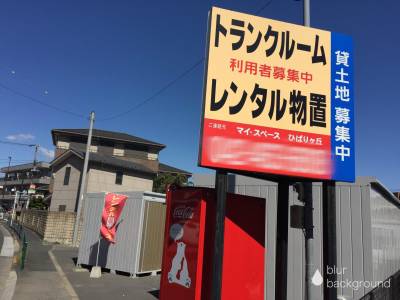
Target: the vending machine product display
pixel 189 246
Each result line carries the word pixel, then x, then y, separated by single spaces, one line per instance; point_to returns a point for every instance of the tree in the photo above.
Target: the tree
pixel 162 180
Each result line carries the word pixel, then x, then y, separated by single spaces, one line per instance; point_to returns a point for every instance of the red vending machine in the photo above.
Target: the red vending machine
pixel 189 244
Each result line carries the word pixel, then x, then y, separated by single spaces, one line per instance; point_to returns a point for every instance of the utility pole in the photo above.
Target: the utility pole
pixel 82 190
pixel 308 204
pixel 5 177
pixel 35 157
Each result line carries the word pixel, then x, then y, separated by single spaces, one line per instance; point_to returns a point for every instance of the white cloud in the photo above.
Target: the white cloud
pixel 21 137
pixel 46 152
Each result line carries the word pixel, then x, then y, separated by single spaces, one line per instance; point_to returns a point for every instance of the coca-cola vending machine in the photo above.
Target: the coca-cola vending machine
pixel 189 246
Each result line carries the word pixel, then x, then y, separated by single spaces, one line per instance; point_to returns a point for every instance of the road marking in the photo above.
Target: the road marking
pixel 8 247
pixel 66 283
pixel 9 288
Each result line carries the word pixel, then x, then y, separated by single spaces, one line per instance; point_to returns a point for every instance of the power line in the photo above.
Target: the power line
pixel 263 7
pixel 35 100
pixel 165 87
pixel 17 144
pixel 150 98
pixel 171 83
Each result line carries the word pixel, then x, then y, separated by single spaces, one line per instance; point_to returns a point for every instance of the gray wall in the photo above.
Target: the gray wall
pixel 103 180
pixel 365 252
pixel 66 194
pixel 100 178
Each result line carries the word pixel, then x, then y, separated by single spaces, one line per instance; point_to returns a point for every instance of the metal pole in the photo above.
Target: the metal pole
pixel 13 211
pixel 308 206
pixel 306 13
pixel 329 238
pixel 35 158
pixel 309 238
pixel 98 251
pixel 27 202
pixel 221 186
pixel 282 229
pixel 82 190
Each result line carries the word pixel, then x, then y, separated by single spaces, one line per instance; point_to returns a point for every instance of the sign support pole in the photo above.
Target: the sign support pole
pixel 221 186
pixel 282 229
pixel 308 204
pixel 329 238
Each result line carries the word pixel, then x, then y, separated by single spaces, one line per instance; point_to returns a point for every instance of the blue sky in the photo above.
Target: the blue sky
pixel 108 56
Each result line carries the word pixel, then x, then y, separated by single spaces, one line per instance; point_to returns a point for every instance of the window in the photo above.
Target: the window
pixel 93 148
pixel 62 207
pixel 152 156
pixel 67 174
pixel 62 145
pixel 118 177
pixel 119 150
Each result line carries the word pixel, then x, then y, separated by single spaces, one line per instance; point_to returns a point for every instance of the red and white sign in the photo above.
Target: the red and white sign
pixel 113 205
pixel 183 246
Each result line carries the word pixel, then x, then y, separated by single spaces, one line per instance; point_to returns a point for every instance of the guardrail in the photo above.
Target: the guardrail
pixel 20 232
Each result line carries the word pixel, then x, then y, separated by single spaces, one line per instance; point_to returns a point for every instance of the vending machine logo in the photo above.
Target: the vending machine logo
pixel 179 262
pixel 183 212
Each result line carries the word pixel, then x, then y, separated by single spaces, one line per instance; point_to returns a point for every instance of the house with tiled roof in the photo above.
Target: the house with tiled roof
pixel 118 162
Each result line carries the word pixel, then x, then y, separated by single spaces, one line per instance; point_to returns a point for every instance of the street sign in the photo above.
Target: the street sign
pixel 278 98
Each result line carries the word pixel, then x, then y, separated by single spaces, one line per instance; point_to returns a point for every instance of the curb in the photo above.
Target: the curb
pixel 11 251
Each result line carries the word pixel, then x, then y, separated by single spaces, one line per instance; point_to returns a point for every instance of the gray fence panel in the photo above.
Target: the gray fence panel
pixel 366 234
pixel 357 242
pixel 346 247
pixel 385 221
pixel 92 219
pixel 124 254
pixel 357 235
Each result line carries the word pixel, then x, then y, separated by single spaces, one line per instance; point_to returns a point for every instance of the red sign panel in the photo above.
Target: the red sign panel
pixel 183 242
pixel 189 246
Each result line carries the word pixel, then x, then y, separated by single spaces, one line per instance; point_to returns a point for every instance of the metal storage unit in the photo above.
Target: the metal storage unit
pixel 139 237
pixel 367 229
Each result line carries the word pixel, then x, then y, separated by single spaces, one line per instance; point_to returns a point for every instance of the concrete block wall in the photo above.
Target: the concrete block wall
pixel 59 227
pixel 52 226
pixel 35 220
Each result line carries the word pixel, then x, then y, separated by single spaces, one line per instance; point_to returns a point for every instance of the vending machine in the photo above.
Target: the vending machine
pixel 189 246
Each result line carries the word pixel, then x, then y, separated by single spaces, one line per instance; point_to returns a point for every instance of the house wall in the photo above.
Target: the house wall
pixel 66 194
pixel 103 180
pixel 146 157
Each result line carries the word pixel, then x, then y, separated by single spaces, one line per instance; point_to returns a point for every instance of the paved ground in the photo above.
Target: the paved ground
pixel 109 286
pixel 39 279
pixel 7 282
pixel 50 274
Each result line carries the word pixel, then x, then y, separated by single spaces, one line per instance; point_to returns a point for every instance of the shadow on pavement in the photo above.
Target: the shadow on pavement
pixel 155 293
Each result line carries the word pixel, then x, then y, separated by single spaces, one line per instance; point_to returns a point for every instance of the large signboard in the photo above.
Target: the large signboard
pixel 278 99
